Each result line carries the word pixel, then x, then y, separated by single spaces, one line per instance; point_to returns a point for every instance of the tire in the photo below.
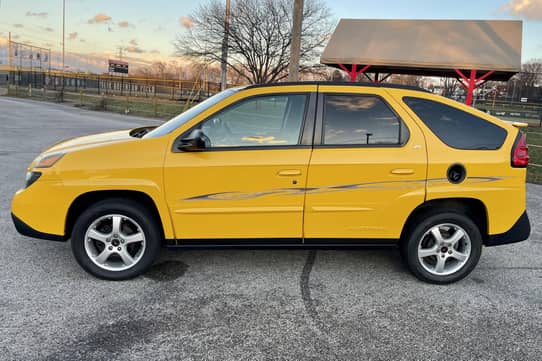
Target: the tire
pixel 445 259
pixel 116 239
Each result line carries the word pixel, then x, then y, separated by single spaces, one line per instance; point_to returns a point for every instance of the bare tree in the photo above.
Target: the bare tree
pixel 260 35
pixel 527 82
pixel 449 87
pixel 192 71
pixel 405 79
pixel 529 77
pixel 531 73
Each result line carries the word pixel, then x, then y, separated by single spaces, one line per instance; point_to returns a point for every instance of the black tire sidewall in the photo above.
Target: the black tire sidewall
pixel 410 249
pixel 124 207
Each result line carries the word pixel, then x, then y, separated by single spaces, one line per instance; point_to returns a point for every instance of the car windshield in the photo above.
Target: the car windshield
pixel 182 118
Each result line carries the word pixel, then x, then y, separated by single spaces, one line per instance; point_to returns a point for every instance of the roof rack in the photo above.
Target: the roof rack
pixel 341 83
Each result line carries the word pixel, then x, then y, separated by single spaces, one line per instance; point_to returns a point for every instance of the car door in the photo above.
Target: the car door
pixel 249 180
pixel 368 167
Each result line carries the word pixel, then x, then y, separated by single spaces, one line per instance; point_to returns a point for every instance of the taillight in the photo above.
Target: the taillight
pixel 520 152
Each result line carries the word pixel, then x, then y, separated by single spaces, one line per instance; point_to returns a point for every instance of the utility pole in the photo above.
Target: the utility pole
pixel 10 74
pixel 295 47
pixel 63 43
pixel 9 51
pixel 224 64
pixel 63 33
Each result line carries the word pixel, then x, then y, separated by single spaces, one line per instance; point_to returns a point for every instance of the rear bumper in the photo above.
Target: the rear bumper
pixel 28 231
pixel 520 231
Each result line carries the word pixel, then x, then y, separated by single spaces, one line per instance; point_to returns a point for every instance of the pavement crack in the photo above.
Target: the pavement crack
pixel 325 344
pixel 308 302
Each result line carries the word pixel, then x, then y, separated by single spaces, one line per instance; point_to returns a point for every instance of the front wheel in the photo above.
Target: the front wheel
pixel 443 248
pixel 116 239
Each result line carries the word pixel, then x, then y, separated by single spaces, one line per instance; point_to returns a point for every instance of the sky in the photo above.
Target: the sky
pixel 145 30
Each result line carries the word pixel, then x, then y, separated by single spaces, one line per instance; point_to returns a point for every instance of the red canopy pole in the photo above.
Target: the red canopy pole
pixel 353 73
pixel 471 82
pixel 472 86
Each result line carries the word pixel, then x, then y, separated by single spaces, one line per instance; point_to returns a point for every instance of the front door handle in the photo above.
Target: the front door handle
pixel 289 172
pixel 402 171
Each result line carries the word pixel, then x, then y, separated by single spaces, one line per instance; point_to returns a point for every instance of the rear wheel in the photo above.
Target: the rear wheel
pixel 443 248
pixel 116 239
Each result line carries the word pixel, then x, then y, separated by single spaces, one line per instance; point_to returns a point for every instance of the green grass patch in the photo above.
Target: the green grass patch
pixel 534 139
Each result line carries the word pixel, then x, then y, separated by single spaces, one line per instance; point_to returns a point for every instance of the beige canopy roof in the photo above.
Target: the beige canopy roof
pixel 427 47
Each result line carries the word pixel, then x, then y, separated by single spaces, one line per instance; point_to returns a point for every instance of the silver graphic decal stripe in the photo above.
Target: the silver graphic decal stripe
pixel 235 196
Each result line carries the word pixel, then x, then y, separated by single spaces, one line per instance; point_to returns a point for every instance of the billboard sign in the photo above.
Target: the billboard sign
pixel 118 67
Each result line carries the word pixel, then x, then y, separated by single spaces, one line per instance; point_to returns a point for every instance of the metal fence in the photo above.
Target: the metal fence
pixel 159 98
pixel 112 84
pixel 530 112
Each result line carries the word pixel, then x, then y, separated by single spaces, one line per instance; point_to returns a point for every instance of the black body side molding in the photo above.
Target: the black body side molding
pixel 281 243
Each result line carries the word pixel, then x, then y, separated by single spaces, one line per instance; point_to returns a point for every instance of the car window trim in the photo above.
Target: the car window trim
pixel 305 132
pixel 319 129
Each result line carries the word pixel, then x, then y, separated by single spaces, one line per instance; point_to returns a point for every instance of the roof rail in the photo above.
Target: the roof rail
pixel 342 83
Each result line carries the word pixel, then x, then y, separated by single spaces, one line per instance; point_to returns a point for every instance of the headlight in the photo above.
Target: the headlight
pixel 31 177
pixel 48 161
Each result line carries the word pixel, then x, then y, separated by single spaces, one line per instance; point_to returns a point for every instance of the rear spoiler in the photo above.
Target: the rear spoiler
pixel 518 124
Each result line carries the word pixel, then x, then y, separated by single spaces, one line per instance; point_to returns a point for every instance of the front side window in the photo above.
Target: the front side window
pixel 274 120
pixel 365 120
pixel 456 128
pixel 184 117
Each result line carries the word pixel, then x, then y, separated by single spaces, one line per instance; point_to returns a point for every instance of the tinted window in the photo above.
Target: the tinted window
pixel 361 120
pixel 260 121
pixel 457 128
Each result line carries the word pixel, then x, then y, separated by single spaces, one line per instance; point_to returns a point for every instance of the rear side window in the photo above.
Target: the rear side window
pixel 456 128
pixel 364 120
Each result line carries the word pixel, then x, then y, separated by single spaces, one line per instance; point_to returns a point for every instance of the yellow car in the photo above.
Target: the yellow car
pixel 294 164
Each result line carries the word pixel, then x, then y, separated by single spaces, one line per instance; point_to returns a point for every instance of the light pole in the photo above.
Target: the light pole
pixel 224 63
pixel 63 46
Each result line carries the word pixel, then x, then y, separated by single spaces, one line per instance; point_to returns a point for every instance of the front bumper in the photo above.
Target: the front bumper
pixel 28 231
pixel 41 208
pixel 520 231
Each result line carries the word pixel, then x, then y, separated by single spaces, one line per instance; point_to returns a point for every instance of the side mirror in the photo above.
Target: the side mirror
pixel 194 142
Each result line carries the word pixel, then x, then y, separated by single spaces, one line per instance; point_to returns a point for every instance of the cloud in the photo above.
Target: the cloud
pixel 72 36
pixel 186 22
pixel 18 25
pixel 125 24
pixel 154 51
pixel 133 42
pixel 49 29
pixel 42 14
pixel 100 18
pixel 82 40
pixel 528 9
pixel 134 49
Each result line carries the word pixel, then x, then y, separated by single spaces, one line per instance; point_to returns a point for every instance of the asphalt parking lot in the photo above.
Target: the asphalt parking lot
pixel 249 304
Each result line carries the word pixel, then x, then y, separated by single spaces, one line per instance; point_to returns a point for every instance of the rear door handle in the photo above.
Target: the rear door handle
pixel 289 172
pixel 402 171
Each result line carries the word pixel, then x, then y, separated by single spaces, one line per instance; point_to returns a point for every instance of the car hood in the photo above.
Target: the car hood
pixel 91 141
